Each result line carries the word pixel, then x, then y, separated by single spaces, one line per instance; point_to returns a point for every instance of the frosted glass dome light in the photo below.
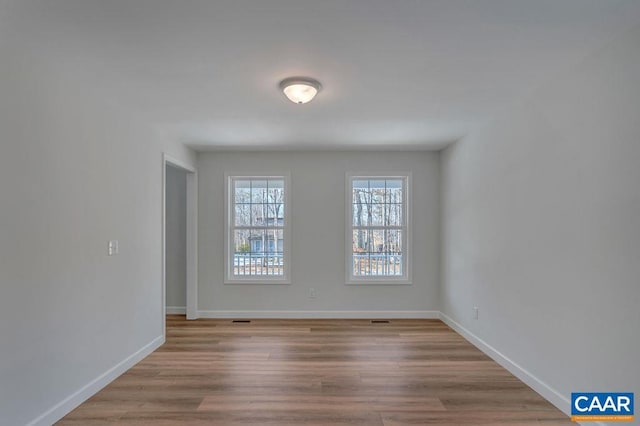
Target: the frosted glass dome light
pixel 300 90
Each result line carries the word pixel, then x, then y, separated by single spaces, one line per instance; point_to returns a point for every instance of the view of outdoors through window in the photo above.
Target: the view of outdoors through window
pixel 378 227
pixel 258 227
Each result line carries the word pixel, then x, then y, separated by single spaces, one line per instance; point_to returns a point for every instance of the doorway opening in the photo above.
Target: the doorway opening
pixel 179 239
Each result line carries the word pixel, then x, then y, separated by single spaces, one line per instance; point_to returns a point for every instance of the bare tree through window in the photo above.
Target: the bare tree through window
pixel 378 226
pixel 258 227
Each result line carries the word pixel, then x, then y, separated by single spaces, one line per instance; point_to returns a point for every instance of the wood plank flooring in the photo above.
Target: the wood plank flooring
pixel 315 372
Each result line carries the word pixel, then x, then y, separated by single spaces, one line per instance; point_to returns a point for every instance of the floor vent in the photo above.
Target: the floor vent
pixel 242 321
pixel 380 321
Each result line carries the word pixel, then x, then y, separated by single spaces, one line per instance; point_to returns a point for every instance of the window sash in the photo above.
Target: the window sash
pixel 371 265
pixel 264 257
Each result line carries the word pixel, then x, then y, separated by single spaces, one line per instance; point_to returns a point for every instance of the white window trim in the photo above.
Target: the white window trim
pixel 406 279
pixel 228 238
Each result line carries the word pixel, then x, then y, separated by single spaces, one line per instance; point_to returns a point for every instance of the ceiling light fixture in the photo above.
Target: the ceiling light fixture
pixel 300 90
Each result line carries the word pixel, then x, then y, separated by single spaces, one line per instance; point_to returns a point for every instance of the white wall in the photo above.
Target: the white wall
pixel 318 215
pixel 176 238
pixel 541 228
pixel 75 172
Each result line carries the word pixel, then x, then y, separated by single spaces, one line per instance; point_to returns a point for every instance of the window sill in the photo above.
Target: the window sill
pixel 378 282
pixel 258 282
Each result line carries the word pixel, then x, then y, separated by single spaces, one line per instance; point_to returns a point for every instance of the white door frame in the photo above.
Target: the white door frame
pixel 192 235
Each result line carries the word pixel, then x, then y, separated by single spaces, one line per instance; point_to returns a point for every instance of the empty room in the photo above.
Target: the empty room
pixel 303 212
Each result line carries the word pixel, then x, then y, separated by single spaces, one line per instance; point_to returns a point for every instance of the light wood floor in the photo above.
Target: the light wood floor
pixel 315 372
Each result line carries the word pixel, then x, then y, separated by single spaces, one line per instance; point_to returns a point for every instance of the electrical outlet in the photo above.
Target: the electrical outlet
pixel 312 293
pixel 475 312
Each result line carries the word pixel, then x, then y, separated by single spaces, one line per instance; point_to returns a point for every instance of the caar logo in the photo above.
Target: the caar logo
pixel 609 406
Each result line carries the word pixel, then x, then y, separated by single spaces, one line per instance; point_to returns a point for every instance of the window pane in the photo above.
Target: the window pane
pixel 275 184
pixel 376 184
pixel 242 191
pixel 377 214
pixel 257 215
pixel 360 264
pixel 241 253
pixel 275 214
pixel 360 215
pixel 394 183
pixel 394 215
pixel 259 253
pixel 361 244
pixel 361 240
pixel 378 240
pixel 259 204
pixel 377 253
pixel 266 255
pixel 242 215
pixel 360 190
pixel 394 241
pixel 258 191
pixel 275 252
pixel 394 190
pixel 275 191
pixel 258 243
pixel 394 253
pixel 377 191
pixel 361 198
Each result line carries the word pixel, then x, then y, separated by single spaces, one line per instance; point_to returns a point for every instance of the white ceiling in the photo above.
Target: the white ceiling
pixel 401 74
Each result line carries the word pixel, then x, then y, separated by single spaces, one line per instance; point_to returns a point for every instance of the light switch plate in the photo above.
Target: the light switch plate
pixel 113 248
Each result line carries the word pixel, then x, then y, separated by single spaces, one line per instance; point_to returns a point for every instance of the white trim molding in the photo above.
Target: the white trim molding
pixel 321 314
pixel 192 235
pixel 229 277
pixel 405 228
pixel 65 406
pixel 546 391
pixel 176 310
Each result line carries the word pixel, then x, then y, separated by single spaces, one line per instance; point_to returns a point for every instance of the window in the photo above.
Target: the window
pixel 377 237
pixel 257 238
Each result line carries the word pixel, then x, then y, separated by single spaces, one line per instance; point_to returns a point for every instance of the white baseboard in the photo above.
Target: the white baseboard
pixel 321 314
pixel 546 391
pixel 176 310
pixel 64 407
